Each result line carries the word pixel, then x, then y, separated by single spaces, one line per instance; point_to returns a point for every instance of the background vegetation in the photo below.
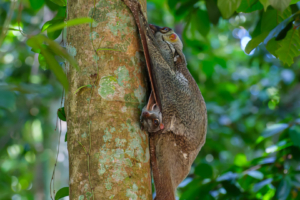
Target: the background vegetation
pixel 243 55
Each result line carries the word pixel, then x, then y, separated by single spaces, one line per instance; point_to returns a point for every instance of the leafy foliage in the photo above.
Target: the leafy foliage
pixel 62 192
pixel 252 140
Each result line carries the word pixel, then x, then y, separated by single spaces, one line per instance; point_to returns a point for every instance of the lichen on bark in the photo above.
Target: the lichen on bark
pixel 108 153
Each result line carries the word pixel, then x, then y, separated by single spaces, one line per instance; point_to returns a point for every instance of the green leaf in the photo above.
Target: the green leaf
pixel 281 35
pixel 284 188
pixel 54 21
pixel 10 29
pixel 232 189
pixel 254 42
pixel 36 42
pixel 213 11
pixel 240 160
pixel 62 192
pixel 208 67
pixel 89 86
pixel 265 3
pixel 61 114
pixel 36 4
pixel 294 1
pixel 66 137
pixel 61 52
pixel 60 2
pixel 278 146
pixel 55 34
pixel 249 6
pixel 204 170
pixel 42 61
pixel 272 46
pixel 294 133
pixel 278 29
pixel 202 22
pixel 184 9
pixel 69 23
pixel 280 5
pixel 7 99
pixel 228 7
pixel 256 174
pixel 274 129
pixel 289 47
pixel 61 12
pixel 25 88
pixel 269 20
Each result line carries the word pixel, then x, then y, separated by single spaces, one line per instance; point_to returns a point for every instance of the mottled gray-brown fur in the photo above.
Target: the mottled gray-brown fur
pixel 174 148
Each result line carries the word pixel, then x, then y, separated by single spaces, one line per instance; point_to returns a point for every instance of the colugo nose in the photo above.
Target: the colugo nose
pixel 145 114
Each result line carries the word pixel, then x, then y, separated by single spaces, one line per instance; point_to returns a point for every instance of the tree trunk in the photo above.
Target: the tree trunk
pixel 108 153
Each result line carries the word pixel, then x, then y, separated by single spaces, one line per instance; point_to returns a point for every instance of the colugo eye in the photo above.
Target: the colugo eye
pixel 165 29
pixel 156 122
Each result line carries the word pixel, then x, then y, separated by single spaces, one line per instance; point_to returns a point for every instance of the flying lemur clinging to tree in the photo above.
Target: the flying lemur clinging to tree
pixel 175 115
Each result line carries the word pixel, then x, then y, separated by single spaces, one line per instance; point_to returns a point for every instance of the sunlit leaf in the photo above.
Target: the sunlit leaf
pixel 62 192
pixel 61 114
pixel 54 21
pixel 289 47
pixel 280 4
pixel 274 129
pixel 228 7
pixel 279 146
pixel 256 174
pixel 10 29
pixel 265 3
pixel 240 160
pixel 294 1
pixel 227 176
pixel 60 2
pixel 36 4
pixel 72 22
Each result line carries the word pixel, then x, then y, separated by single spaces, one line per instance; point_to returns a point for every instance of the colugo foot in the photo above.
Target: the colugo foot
pixel 151 117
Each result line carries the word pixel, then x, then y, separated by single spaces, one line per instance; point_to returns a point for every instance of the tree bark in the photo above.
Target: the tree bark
pixel 108 153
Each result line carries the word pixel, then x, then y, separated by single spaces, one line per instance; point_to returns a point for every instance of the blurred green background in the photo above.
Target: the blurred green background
pixel 251 89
